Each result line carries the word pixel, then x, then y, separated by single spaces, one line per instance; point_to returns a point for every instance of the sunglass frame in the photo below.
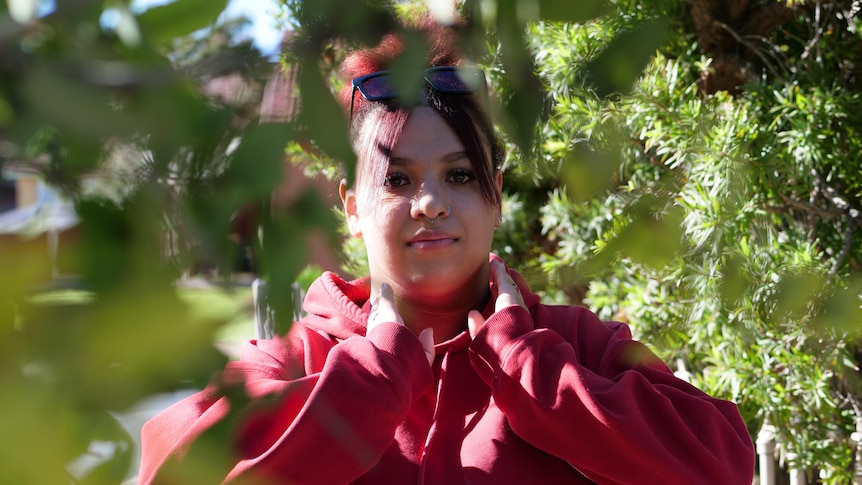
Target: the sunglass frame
pixel 359 83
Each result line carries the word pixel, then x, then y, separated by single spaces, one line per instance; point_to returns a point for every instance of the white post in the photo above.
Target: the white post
pixel 856 438
pixel 263 324
pixel 797 474
pixel 766 453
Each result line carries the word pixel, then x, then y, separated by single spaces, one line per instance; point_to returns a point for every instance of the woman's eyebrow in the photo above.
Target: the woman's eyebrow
pixel 455 156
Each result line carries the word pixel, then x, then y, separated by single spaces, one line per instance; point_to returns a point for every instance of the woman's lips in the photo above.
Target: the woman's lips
pixel 431 240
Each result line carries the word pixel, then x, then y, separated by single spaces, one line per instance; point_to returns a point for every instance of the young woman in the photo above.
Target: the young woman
pixel 442 367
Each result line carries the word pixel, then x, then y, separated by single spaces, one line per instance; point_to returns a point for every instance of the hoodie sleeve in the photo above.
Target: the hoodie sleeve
pixel 312 428
pixel 605 404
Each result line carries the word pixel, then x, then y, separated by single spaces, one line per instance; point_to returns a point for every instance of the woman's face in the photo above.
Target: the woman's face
pixel 429 176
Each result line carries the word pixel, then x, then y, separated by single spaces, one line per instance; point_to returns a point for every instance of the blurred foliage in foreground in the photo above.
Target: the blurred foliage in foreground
pixel 690 168
pixel 131 118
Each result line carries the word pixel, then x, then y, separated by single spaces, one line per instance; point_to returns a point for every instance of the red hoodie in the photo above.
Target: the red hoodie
pixel 546 395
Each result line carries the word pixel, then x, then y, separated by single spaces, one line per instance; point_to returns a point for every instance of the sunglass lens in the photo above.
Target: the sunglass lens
pixel 455 81
pixel 376 88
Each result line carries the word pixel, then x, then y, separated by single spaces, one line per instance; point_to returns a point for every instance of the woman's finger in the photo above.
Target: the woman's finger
pixel 475 320
pixel 426 338
pixel 383 308
pixel 508 292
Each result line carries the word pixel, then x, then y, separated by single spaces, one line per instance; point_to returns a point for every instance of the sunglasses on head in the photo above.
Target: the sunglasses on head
pixel 378 86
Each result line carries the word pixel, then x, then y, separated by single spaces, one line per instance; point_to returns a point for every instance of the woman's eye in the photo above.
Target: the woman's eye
pixel 461 176
pixel 396 180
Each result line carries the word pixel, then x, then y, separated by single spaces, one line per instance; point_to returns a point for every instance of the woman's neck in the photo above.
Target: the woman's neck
pixel 446 324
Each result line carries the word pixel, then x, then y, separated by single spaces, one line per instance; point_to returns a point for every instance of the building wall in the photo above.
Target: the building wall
pixel 26 190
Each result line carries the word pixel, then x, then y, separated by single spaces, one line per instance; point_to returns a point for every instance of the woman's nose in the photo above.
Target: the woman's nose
pixel 429 204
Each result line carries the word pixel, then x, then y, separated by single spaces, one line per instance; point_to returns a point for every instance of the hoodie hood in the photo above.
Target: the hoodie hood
pixel 336 306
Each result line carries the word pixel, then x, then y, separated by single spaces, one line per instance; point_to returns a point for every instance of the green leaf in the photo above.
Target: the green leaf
pixel 733 283
pixel 73 105
pixel 165 22
pixel 103 428
pixel 587 172
pixel 365 22
pixel 323 119
pixel 842 312
pixel 796 292
pixel 407 68
pixel 256 167
pixel 31 413
pixel 525 106
pixel 616 69
pixel 569 11
pixel 287 238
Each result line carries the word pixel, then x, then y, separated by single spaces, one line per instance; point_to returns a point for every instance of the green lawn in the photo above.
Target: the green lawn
pixel 235 304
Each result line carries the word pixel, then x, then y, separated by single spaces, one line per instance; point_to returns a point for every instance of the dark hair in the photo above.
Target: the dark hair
pixel 377 125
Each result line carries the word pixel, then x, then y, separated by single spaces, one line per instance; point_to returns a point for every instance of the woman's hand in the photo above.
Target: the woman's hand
pixel 507 291
pixel 383 310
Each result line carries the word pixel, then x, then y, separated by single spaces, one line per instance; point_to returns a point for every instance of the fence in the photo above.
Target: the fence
pixel 767 446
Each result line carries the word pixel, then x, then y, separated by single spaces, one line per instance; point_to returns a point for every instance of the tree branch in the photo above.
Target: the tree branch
pixel 753 48
pixel 849 231
pixel 809 209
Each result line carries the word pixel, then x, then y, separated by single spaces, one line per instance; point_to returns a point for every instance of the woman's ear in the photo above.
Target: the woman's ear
pixel 348 201
pixel 498 184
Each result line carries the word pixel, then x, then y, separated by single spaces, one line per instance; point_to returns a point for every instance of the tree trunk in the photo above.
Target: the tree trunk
pixel 724 30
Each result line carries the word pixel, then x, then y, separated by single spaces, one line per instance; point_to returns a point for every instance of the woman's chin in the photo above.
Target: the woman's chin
pixel 439 279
